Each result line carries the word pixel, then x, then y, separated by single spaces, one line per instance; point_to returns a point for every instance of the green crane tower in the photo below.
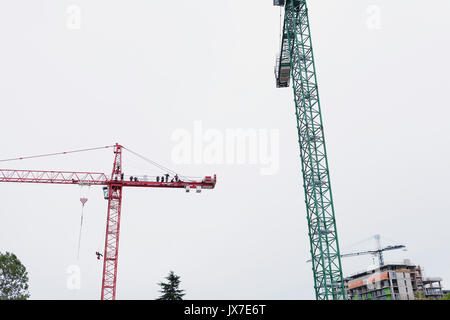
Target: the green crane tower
pixel 296 59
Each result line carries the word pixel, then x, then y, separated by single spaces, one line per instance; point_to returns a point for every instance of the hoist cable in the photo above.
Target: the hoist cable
pixel 84 196
pixel 81 228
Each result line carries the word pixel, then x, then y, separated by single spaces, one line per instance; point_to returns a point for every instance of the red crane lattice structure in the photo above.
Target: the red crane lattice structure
pixel 113 193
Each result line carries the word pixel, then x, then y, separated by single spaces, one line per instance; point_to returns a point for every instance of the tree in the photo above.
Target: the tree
pixel 13 278
pixel 170 290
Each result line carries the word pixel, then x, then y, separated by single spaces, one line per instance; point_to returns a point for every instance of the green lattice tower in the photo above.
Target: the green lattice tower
pixel 296 61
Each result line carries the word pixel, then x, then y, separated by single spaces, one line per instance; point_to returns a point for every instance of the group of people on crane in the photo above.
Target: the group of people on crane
pixel 164 178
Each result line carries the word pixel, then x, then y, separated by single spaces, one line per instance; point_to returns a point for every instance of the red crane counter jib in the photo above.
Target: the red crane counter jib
pixel 113 193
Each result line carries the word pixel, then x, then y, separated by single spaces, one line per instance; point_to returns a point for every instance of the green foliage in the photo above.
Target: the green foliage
pixel 421 296
pixel 13 278
pixel 170 290
pixel 446 297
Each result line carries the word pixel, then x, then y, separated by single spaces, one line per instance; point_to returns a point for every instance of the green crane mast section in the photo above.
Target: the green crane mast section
pixel 296 59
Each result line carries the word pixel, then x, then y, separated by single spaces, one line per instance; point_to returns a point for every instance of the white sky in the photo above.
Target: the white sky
pixel 137 71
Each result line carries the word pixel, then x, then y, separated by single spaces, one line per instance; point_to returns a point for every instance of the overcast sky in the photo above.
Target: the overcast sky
pixel 79 74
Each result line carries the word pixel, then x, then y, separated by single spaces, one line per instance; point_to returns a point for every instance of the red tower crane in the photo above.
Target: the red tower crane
pixel 113 193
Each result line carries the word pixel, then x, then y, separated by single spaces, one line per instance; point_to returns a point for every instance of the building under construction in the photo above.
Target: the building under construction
pixel 403 281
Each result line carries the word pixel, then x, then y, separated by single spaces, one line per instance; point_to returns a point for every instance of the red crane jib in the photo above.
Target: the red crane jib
pixel 94 178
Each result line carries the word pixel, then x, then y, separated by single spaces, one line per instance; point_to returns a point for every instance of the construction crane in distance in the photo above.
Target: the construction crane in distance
pixel 296 61
pixel 113 187
pixel 377 252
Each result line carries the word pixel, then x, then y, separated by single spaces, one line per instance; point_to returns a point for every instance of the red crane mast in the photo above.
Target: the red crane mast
pixel 113 193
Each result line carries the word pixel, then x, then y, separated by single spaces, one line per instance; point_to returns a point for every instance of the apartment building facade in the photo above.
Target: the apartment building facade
pixel 392 282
